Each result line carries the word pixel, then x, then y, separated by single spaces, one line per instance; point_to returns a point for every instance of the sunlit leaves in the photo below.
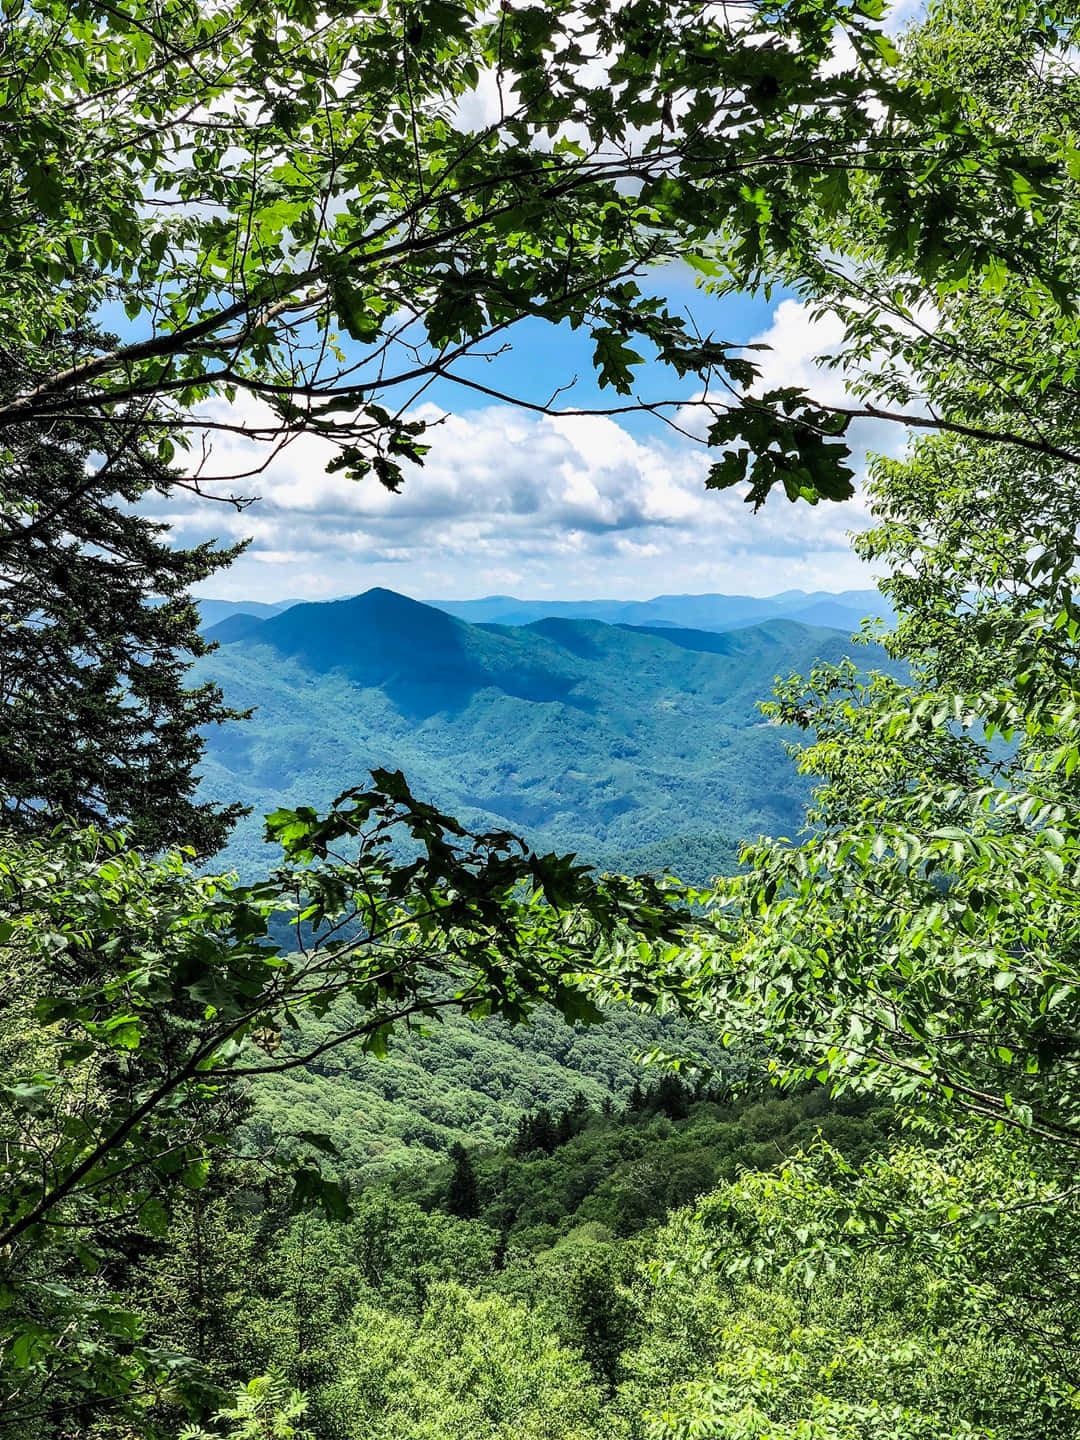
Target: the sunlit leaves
pixel 243 184
pixel 787 440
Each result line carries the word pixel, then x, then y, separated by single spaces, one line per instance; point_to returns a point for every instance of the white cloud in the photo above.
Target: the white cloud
pixel 565 506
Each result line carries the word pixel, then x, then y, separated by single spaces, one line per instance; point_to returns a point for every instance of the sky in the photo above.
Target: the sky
pixel 509 502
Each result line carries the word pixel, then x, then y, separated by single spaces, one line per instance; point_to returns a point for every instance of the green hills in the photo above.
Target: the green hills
pixel 635 747
pixel 461 1080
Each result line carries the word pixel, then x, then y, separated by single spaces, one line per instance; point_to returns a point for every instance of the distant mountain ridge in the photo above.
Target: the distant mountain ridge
pixel 620 742
pixel 843 610
pixel 214 611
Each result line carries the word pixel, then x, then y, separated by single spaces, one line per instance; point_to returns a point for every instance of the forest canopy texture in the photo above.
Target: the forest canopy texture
pixel 295 219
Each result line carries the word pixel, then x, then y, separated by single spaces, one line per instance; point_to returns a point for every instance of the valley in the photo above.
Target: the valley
pixel 639 748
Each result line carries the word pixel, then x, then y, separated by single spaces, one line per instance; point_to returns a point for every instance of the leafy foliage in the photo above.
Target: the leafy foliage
pixel 460 1081
pixel 265 1407
pixel 139 994
pixel 927 1321
pixel 922 939
pixel 740 1314
pixel 623 1170
pixel 298 208
pixel 466 1365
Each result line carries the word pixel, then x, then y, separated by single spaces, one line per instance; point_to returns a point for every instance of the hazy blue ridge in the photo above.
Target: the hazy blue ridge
pixel 214 611
pixel 843 611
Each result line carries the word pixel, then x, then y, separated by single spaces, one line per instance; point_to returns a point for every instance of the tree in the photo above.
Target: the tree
pixel 574 1118
pixel 295 208
pixel 138 998
pixel 462 1198
pixel 635 1101
pixel 265 1406
pixel 469 1365
pixel 671 1097
pixel 599 1317
pixel 97 725
pixel 537 1132
pixel 987 348
pixel 921 939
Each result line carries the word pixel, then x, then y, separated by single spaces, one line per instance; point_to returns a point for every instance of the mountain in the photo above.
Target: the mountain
pixel 844 611
pixel 626 744
pixel 237 626
pixel 214 611
pixel 640 747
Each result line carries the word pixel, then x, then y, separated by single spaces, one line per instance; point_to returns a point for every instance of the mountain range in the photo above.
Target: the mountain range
pixel 635 746
pixel 842 611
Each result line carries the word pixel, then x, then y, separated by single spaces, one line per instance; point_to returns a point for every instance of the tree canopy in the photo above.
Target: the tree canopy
pixel 921 937
pixel 323 212
pixel 137 997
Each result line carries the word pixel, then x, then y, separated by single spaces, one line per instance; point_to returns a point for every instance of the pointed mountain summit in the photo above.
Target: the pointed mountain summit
pixel 372 636
pixel 238 626
pixel 424 660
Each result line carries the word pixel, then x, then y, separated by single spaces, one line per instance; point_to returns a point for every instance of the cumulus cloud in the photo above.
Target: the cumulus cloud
pixel 566 506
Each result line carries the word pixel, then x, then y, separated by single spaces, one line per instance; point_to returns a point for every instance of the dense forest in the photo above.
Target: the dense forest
pixel 356 1138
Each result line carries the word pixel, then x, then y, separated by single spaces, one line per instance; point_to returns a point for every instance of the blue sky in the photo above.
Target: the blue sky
pixel 514 503
pixel 545 356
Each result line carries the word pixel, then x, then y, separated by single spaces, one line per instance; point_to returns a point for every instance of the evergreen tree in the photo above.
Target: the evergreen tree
pixel 462 1196
pixel 564 1127
pixel 579 1111
pixel 671 1097
pixel 97 634
pixel 635 1103
pixel 523 1135
pixel 539 1131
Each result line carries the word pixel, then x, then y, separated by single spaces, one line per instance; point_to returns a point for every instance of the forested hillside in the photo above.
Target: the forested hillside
pixel 529 728
pixel 602 739
pixel 463 1082
pixel 619 1168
